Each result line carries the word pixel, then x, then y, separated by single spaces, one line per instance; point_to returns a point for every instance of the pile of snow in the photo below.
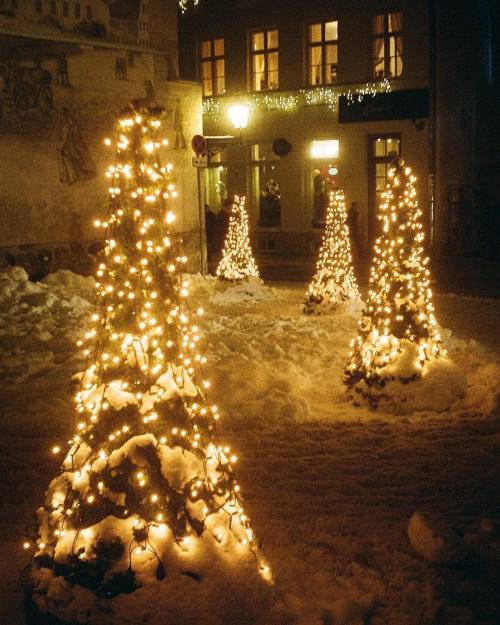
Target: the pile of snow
pixel 246 291
pixel 39 321
pixel 437 386
pixel 433 539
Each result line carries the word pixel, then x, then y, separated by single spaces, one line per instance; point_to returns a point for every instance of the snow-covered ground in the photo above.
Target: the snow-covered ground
pixel 331 488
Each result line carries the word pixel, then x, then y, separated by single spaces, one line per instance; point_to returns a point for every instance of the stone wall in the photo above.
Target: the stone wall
pixel 48 202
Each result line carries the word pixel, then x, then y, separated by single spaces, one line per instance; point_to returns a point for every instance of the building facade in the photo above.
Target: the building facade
pixel 60 93
pixel 308 72
pixel 67 14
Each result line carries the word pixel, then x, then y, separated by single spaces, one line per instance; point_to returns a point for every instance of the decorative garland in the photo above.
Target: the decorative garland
pixel 314 96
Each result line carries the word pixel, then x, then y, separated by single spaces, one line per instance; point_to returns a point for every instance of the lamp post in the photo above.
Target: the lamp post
pixel 238 116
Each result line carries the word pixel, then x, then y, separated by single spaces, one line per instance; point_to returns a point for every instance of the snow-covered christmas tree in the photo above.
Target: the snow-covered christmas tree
pixel 334 282
pixel 237 260
pixel 145 517
pixel 398 338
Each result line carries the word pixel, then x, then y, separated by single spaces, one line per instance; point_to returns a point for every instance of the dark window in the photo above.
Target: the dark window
pixel 65 9
pixel 264 60
pixel 38 6
pixel 266 192
pixel 89 12
pixel 14 4
pixel 387 45
pixel 322 53
pixel 212 71
pixel 53 7
pixel 78 10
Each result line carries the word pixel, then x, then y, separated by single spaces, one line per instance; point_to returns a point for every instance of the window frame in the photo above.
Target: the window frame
pixel 213 58
pixel 266 51
pixel 323 43
pixel 386 36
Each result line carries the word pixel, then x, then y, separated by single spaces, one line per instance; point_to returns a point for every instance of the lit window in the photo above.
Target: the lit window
pixel 264 60
pixel 212 72
pixel 322 54
pixel 387 45
pixel 324 149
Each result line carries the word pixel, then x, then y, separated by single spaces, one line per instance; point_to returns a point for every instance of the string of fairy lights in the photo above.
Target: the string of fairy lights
pixel 334 282
pixel 216 106
pixel 139 398
pixel 237 260
pixel 399 312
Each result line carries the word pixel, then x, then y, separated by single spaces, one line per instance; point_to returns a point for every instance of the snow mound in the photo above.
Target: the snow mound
pixel 432 538
pixel 440 384
pixel 200 286
pixel 39 321
pixel 251 289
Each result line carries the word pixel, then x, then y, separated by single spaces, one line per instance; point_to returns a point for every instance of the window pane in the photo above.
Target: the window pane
pixel 272 39
pixel 272 70
pixel 379 147
pixel 315 33
pixel 259 82
pixel 331 31
pixel 206 70
pixel 219 74
pixel 392 147
pixel 378 24
pixel 257 41
pixel 205 49
pixel 395 22
pixel 378 56
pixel 219 47
pixel 331 54
pixel 380 170
pixel 315 63
pixel 207 87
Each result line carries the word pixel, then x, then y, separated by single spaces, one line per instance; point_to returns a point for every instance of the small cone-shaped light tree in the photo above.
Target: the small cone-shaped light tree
pixel 398 333
pixel 334 282
pixel 237 260
pixel 145 494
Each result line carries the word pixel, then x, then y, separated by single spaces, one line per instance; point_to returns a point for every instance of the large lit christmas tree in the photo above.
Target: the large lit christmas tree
pixel 334 282
pixel 398 335
pixel 237 260
pixel 145 494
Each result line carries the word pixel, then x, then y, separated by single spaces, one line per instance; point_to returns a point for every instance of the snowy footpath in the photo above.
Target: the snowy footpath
pixel 365 517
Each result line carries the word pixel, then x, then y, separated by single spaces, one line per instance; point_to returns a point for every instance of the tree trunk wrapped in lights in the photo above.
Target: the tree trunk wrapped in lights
pixel 398 335
pixel 145 494
pixel 237 260
pixel 334 282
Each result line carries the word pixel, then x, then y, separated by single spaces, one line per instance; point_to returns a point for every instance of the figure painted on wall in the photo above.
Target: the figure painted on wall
pixel 121 68
pixel 26 88
pixel 180 139
pixel 63 71
pixel 73 156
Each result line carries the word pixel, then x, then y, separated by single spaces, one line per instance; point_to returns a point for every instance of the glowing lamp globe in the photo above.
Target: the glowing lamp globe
pixel 238 114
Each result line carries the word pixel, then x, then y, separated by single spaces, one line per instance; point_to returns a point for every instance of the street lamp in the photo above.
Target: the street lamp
pixel 238 114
